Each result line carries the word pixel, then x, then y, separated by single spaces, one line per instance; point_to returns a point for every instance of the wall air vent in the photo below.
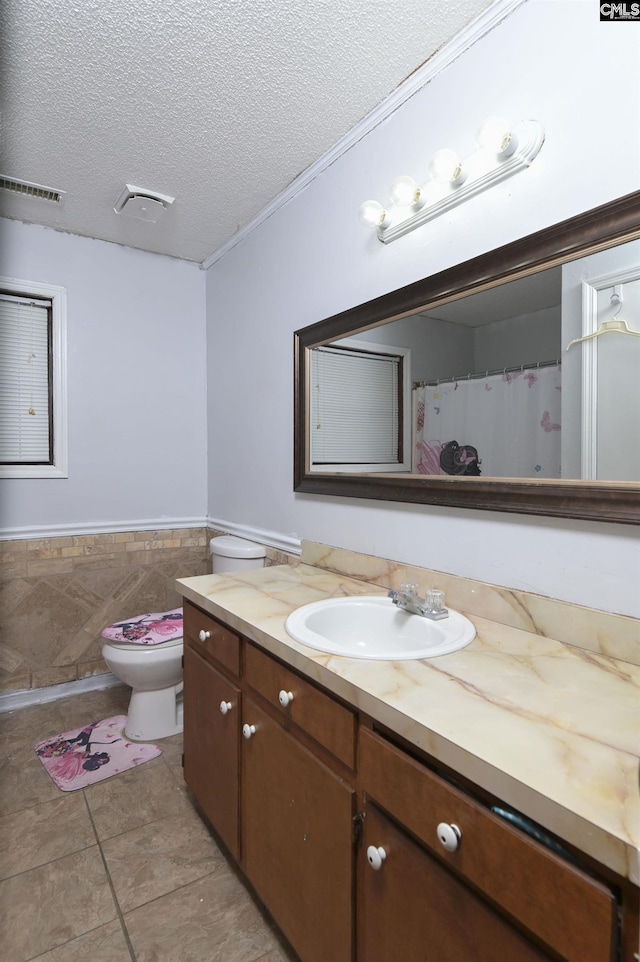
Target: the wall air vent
pixel 25 189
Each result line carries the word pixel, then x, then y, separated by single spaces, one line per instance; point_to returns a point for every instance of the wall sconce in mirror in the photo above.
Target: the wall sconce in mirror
pixel 503 150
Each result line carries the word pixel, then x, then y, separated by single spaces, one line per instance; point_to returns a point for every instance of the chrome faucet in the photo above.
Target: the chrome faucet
pixel 407 598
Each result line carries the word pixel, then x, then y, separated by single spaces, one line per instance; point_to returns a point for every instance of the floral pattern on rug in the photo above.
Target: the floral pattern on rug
pixel 87 755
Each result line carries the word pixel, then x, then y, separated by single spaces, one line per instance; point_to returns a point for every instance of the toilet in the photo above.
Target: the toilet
pixel 145 652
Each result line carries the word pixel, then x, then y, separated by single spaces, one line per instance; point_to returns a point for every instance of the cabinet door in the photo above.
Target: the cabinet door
pixel 211 745
pixel 411 909
pixel 297 840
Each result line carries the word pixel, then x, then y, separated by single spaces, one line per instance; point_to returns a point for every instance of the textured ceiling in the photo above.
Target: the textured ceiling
pixel 218 103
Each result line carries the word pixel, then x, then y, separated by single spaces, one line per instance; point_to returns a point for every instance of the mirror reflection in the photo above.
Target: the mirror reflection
pixel 534 378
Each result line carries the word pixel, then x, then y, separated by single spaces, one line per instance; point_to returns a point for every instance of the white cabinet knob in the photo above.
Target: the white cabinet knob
pixel 375 857
pixel 204 635
pixel 285 697
pixel 248 731
pixel 225 706
pixel 449 836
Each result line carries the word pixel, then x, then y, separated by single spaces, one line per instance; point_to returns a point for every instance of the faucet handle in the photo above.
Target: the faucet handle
pixel 435 600
pixel 410 587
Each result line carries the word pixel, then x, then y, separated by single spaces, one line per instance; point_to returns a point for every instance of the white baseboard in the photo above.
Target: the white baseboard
pixel 12 700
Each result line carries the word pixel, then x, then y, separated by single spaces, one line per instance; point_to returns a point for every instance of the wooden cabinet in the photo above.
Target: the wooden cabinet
pixel 297 839
pixel 213 638
pixel 285 798
pixel 278 799
pixel 302 705
pixel 211 744
pixel 212 713
pixel 495 894
pixel 411 909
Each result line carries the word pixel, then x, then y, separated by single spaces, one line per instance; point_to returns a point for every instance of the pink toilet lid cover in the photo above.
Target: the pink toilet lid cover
pixel 149 629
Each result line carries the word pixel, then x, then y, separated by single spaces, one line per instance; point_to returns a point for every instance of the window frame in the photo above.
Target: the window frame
pixel 361 345
pixel 58 362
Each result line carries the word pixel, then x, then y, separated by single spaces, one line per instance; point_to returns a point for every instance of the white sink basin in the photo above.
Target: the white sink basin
pixel 371 626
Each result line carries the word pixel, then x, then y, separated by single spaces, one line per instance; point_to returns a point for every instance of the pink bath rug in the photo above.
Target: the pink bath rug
pixel 86 755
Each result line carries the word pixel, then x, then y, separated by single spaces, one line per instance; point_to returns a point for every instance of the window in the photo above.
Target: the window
pixel 360 420
pixel 33 425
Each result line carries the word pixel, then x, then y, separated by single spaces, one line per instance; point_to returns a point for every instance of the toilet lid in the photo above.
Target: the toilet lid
pixel 134 646
pixel 151 629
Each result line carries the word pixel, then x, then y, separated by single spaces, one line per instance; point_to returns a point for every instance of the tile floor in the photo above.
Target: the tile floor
pixel 122 871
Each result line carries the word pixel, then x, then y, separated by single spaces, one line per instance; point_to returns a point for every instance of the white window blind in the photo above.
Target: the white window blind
pixel 25 381
pixel 355 408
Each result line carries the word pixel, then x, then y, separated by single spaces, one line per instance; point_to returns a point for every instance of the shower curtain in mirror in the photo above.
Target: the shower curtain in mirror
pixel 503 425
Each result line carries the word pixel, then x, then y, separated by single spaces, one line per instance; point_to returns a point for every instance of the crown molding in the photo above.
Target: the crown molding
pixel 440 60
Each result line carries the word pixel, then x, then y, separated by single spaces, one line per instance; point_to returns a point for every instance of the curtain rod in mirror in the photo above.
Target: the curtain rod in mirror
pixel 597 230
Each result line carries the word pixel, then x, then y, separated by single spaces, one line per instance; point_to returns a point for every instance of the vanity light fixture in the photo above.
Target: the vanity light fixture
pixel 406 193
pixel 503 150
pixel 447 168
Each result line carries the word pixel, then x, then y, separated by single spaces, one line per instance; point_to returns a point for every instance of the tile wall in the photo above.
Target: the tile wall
pixel 57 594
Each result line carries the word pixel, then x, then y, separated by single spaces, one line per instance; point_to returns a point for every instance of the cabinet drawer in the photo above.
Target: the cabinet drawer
pixel 218 640
pixel 565 908
pixel 328 722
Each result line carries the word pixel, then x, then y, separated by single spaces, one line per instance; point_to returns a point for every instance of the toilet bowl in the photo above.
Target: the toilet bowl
pixel 154 673
pixel 134 650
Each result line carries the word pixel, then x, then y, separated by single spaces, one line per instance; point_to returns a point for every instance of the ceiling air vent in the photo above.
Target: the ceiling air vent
pixel 25 189
pixel 144 204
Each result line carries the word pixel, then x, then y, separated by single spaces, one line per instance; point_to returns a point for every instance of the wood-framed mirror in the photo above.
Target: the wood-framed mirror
pixel 559 250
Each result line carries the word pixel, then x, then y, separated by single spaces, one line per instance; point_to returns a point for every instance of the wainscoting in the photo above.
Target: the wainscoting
pixel 57 594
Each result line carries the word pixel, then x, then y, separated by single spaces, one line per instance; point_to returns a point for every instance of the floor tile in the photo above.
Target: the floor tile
pixel 212 920
pixel 23 780
pixel 94 706
pixel 43 833
pixel 33 723
pixel 159 857
pixel 104 944
pixel 134 798
pixel 54 903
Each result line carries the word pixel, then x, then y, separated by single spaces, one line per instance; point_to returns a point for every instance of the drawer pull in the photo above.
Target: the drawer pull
pixel 449 836
pixel 225 706
pixel 204 635
pixel 375 857
pixel 248 731
pixel 285 697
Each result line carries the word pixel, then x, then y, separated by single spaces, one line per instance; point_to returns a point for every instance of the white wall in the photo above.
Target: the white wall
pixel 136 386
pixel 438 349
pixel 552 61
pixel 522 339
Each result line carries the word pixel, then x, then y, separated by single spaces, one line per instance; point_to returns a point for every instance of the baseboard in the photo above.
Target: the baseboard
pixel 12 700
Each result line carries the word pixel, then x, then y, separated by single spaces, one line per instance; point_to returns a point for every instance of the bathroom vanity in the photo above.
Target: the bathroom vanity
pixel 387 812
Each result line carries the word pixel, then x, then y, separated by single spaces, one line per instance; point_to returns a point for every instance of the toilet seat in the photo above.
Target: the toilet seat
pixel 132 646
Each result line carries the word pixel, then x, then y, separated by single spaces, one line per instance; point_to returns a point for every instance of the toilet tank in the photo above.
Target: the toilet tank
pixel 229 553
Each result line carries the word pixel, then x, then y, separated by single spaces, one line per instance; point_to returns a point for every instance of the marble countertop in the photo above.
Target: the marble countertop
pixel 550 728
